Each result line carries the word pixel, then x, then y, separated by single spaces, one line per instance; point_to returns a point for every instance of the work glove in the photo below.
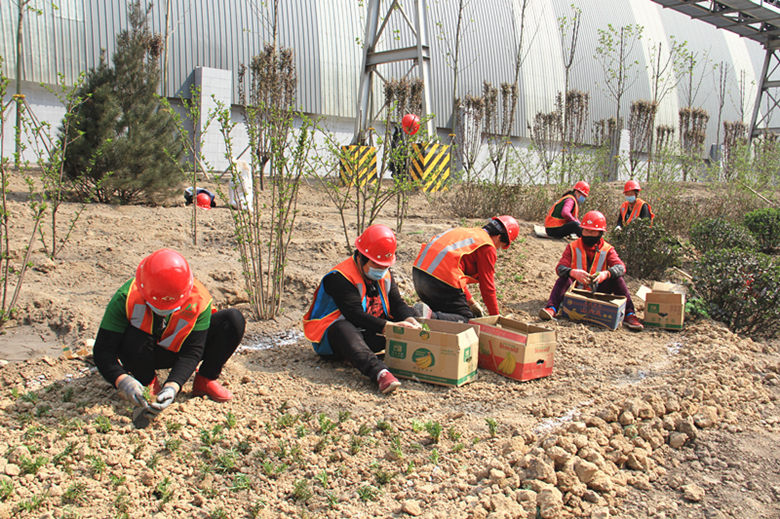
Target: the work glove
pixel 580 276
pixel 131 390
pixel 599 277
pixel 477 309
pixel 164 398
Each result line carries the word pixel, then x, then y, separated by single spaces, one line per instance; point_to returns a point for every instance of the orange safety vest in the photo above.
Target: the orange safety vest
pixel 635 212
pixel 323 310
pixel 441 256
pixel 180 323
pixel 580 257
pixel 554 219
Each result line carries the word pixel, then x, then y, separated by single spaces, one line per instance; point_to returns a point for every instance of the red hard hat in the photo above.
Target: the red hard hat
pixel 410 124
pixel 583 187
pixel 510 224
pixel 631 185
pixel 377 243
pixel 594 221
pixel 203 200
pixel 164 279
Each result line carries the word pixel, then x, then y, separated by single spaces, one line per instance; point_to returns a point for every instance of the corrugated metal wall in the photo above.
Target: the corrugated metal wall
pixel 326 35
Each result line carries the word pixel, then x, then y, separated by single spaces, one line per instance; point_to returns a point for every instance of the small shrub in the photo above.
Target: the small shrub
pixel 764 224
pixel 6 489
pixel 740 289
pixel 719 233
pixel 647 251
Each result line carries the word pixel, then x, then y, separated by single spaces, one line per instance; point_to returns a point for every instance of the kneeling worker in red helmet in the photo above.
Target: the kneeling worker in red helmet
pixel 354 303
pixel 160 319
pixel 563 217
pixel 455 258
pixel 590 262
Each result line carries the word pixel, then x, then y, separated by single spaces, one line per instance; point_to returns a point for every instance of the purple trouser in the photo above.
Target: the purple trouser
pixel 611 286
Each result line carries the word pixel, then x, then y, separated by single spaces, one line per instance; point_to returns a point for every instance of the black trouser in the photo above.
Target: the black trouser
pixel 447 302
pixel 141 356
pixel 358 347
pixel 564 230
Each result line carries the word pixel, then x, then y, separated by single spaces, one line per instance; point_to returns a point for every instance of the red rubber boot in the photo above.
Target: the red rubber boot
pixel 211 388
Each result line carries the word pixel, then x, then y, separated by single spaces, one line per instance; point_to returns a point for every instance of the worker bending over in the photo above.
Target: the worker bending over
pixel 594 265
pixel 633 207
pixel 162 318
pixel 563 217
pixel 355 302
pixel 455 258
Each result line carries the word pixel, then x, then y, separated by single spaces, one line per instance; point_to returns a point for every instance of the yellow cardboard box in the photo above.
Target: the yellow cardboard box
pixel 444 354
pixel 664 305
pixel 517 350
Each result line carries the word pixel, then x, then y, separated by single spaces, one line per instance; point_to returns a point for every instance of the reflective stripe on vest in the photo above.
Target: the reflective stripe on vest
pixel 581 257
pixel 557 221
pixel 180 323
pixel 323 310
pixel 635 212
pixel 441 256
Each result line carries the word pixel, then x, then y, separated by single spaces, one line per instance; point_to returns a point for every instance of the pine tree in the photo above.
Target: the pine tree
pixel 128 139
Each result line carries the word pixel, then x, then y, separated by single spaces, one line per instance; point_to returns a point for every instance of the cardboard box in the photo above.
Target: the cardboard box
pixel 445 354
pixel 604 309
pixel 515 349
pixel 664 305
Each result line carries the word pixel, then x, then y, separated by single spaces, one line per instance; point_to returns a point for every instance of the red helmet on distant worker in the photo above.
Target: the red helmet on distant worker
pixel 510 224
pixel 203 200
pixel 594 221
pixel 631 185
pixel 583 187
pixel 377 243
pixel 410 124
pixel 164 279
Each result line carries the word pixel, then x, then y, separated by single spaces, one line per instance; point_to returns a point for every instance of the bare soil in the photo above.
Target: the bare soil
pixel 643 425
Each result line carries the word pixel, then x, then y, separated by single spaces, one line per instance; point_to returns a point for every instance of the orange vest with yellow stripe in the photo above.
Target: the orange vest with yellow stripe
pixel 180 323
pixel 324 311
pixel 580 257
pixel 554 219
pixel 441 256
pixel 635 212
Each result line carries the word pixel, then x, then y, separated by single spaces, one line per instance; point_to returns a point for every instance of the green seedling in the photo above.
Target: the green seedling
pixel 30 397
pixel 163 491
pixel 117 481
pixel 383 477
pixel 172 426
pixel 457 447
pixel 325 423
pixel 255 509
pixel 301 491
pixel 240 482
pixel 226 462
pixel 15 393
pixel 32 504
pixel 6 489
pixel 153 460
pixel 31 466
pixel 102 424
pixel 244 447
pixel 218 513
pixel 320 445
pixel 453 435
pixel 322 477
pixel 383 425
pixel 211 437
pixel 492 426
pixel 230 420
pixel 74 493
pixel 283 407
pixel 409 467
pixel 395 447
pixel 67 394
pixel 59 459
pixel 33 432
pixel 42 410
pixel 333 500
pixel 172 444
pixel 368 493
pixel 344 416
pixel 435 456
pixel 96 464
pixel 301 431
pixel 355 444
pixel 417 426
pixel 434 429
pixel 122 502
pixel 286 420
pixel 364 430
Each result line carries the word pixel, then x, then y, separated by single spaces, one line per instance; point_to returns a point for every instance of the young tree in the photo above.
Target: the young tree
pixel 615 54
pixel 569 28
pixel 640 123
pixel 124 121
pixel 452 54
pixel 720 75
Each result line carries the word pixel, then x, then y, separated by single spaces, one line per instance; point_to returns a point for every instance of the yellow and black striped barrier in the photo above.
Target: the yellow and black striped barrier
pixel 358 163
pixel 430 164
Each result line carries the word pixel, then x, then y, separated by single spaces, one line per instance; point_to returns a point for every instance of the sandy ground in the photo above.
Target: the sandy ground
pixel 656 424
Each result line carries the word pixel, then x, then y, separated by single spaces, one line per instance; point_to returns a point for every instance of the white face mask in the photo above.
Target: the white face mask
pixel 631 199
pixel 376 274
pixel 162 313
